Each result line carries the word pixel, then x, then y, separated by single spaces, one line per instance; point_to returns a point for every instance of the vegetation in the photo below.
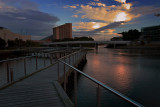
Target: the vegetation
pixel 2 43
pixel 131 35
pixel 75 39
pixel 83 39
pixel 17 43
pixel 78 39
pixel 116 39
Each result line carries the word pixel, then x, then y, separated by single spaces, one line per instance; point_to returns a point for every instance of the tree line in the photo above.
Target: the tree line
pixel 130 35
pixel 76 39
pixel 17 43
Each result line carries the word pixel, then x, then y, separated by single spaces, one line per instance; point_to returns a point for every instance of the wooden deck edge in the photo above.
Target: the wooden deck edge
pixel 64 97
pixel 10 84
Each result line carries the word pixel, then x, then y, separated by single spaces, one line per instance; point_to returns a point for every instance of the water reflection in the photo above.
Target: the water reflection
pixel 132 72
pixel 122 77
pixel 95 61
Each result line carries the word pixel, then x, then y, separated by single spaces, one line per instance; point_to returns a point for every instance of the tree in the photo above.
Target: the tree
pixel 131 35
pixel 83 39
pixel 2 43
pixel 11 43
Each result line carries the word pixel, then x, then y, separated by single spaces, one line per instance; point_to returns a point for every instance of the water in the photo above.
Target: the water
pixel 134 73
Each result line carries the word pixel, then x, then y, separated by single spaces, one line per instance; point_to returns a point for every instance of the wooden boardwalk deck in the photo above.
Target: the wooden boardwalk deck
pixel 35 91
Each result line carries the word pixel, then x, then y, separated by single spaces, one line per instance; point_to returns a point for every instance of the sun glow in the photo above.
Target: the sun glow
pixel 96 26
pixel 122 16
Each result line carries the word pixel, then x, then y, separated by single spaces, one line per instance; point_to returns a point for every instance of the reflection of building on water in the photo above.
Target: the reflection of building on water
pixel 152 33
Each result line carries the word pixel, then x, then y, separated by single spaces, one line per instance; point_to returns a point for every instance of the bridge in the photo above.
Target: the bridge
pixel 41 84
pixel 86 42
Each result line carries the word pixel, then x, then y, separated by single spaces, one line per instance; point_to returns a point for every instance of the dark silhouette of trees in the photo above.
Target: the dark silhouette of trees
pixel 83 39
pixel 76 39
pixel 116 39
pixel 2 43
pixel 131 35
pixel 19 43
pixel 11 43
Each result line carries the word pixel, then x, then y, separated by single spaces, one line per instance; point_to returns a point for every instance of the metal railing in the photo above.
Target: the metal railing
pixel 10 75
pixel 75 56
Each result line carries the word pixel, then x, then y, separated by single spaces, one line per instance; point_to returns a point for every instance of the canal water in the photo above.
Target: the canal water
pixel 134 73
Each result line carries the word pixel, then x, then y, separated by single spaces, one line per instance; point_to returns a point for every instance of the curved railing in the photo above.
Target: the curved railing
pixel 95 81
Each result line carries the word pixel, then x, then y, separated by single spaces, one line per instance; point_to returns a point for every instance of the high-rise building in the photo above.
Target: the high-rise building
pixel 62 32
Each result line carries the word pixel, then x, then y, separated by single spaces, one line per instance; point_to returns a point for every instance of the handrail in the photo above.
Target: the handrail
pixel 105 86
pixel 16 58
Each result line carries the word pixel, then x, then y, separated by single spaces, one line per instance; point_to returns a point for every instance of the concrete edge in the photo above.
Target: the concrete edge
pixel 10 84
pixel 64 97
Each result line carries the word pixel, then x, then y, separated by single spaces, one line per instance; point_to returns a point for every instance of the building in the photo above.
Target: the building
pixel 152 33
pixel 62 32
pixel 8 35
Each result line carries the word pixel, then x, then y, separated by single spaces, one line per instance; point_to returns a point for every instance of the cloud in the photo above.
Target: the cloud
pixel 107 14
pixel 121 1
pixel 145 10
pixel 108 29
pixel 25 4
pixel 24 16
pixel 97 11
pixel 76 16
pixel 87 26
pixel 72 6
pixel 97 4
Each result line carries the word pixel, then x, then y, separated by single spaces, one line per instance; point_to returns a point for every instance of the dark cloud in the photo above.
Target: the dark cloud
pixel 110 26
pixel 23 4
pixel 96 31
pixel 145 10
pixel 26 18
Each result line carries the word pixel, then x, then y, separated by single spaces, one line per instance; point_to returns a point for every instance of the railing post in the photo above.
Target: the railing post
pixel 50 58
pixel 24 66
pixel 64 76
pixel 44 60
pixel 58 70
pixel 69 60
pixel 77 56
pixel 75 88
pixel 11 74
pixel 36 64
pixel 7 72
pixel 73 60
pixel 98 96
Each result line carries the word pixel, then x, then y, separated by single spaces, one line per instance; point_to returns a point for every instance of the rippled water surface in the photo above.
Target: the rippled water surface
pixel 135 73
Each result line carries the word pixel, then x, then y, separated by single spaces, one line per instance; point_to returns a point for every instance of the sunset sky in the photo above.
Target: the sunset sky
pixel 100 19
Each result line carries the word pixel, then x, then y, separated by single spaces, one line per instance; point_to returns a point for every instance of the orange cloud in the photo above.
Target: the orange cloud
pixel 127 6
pixel 76 16
pixel 88 26
pixel 73 6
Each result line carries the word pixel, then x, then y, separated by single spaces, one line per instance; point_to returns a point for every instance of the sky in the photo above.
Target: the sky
pixel 100 19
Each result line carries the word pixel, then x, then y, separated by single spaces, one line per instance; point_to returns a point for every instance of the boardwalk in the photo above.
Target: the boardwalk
pixel 35 91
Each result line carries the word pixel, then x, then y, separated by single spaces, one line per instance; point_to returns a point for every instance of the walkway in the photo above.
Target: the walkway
pixel 35 91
